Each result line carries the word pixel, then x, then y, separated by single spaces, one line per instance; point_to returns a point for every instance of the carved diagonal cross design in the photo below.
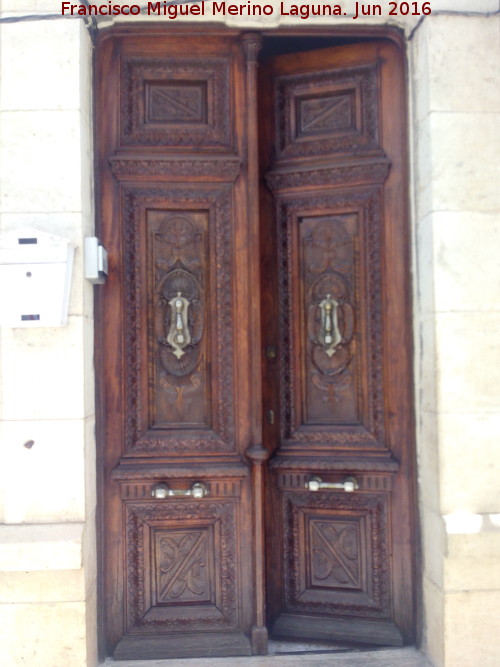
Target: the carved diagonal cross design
pixel 335 553
pixel 177 103
pixel 325 113
pixel 182 560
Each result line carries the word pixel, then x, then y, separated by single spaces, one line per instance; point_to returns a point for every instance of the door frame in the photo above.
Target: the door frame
pixel 352 34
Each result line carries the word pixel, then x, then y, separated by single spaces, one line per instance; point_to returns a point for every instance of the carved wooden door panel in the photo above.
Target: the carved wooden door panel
pixel 176 401
pixel 202 476
pixel 337 362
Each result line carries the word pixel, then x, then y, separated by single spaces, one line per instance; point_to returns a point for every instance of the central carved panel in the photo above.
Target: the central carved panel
pixel 328 252
pixel 184 567
pixel 176 103
pixel 325 113
pixel 179 272
pixel 335 554
pixel 331 321
pixel 179 360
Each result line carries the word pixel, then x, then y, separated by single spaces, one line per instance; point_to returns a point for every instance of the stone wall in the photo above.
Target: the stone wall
pixel 455 75
pixel 47 491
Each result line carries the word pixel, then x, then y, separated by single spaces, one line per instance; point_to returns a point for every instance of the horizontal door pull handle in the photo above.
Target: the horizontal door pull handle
pixel 349 485
pixel 197 490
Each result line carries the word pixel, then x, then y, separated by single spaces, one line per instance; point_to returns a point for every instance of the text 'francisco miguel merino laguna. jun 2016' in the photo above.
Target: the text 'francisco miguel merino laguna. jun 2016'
pixel 174 10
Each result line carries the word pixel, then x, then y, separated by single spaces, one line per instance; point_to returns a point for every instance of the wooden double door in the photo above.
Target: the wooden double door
pixel 253 356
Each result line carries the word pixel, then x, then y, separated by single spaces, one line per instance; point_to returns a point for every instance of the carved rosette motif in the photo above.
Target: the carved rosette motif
pixel 176 102
pixel 333 270
pixel 349 570
pixel 327 113
pixel 179 268
pixel 181 555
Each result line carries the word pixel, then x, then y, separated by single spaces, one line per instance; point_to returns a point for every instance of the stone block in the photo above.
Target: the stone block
pixel 43 482
pixel 90 466
pixel 41 168
pixel 425 363
pixel 42 371
pixel 425 257
pixel 468 357
pixel 433 544
pixel 87 165
pixel 470 461
pixel 433 622
pixel 463 66
pixel 464 165
pixel 39 76
pixel 92 625
pixel 423 168
pixel 90 556
pixel 43 635
pixel 88 372
pixel 28 6
pixel 466 261
pixel 36 548
pixel 472 562
pixel 471 629
pixel 86 73
pixel 428 459
pixel 419 72
pixel 42 586
pixel 483 6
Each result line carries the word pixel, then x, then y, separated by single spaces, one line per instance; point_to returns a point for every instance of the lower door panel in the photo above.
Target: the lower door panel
pixel 182 570
pixel 336 559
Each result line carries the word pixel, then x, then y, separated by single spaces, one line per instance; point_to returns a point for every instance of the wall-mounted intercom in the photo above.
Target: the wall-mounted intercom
pixel 35 279
pixel 96 261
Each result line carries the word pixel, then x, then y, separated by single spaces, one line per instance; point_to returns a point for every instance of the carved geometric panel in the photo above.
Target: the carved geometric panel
pixel 335 557
pixel 181 566
pixel 181 102
pixel 331 320
pixel 176 102
pixel 335 554
pixel 326 113
pixel 323 114
pixel 178 366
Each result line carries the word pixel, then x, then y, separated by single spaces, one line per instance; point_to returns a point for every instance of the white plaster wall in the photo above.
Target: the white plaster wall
pixel 47 493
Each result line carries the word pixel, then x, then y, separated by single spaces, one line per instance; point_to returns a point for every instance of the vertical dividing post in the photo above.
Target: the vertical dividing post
pixel 256 453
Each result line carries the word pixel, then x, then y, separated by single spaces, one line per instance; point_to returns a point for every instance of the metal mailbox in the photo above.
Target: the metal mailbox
pixel 35 279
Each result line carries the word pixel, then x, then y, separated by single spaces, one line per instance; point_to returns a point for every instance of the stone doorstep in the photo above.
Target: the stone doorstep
pixel 404 657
